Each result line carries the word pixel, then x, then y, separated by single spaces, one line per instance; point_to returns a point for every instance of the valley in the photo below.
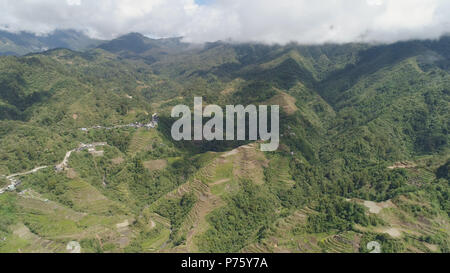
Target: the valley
pixel 363 154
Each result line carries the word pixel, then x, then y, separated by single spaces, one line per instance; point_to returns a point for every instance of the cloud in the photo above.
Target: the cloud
pixel 269 21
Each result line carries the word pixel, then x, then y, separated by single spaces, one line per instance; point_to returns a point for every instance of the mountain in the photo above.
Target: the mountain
pixel 363 157
pixel 23 43
pixel 137 46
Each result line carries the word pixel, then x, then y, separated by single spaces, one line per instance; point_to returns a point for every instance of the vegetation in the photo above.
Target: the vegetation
pixel 363 154
pixel 176 210
pixel 248 214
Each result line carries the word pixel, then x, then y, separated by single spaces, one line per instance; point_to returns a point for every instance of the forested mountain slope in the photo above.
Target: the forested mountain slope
pixel 363 155
pixel 22 43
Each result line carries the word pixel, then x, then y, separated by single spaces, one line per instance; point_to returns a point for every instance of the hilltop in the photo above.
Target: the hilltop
pixel 22 43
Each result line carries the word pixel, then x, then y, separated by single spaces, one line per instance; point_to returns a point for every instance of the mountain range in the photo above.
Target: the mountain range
pixel 364 152
pixel 22 43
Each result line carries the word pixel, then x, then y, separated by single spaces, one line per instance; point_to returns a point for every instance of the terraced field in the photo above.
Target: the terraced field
pixel 142 141
pixel 211 185
pixel 363 152
pixel 48 227
pixel 347 242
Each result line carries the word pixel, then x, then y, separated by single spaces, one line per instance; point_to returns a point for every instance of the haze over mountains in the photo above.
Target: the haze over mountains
pixel 23 43
pixel 364 151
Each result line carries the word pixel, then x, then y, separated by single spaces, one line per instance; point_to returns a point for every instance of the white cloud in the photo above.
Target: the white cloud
pixel 375 2
pixel 271 21
pixel 74 2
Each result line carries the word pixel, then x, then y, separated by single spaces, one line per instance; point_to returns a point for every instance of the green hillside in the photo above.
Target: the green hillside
pixel 363 156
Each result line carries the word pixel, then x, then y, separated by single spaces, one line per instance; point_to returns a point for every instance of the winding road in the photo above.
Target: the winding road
pixel 63 165
pixel 26 173
pixel 14 182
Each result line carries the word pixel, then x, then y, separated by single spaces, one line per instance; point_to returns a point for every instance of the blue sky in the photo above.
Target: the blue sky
pixel 203 2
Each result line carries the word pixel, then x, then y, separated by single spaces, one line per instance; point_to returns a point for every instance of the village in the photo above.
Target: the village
pixel 152 124
pixel 15 182
pixel 91 148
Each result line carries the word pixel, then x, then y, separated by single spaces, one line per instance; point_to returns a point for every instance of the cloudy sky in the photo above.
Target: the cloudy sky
pixel 269 21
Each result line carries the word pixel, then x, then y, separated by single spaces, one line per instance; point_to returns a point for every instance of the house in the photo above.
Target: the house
pixel 155 119
pixel 59 168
